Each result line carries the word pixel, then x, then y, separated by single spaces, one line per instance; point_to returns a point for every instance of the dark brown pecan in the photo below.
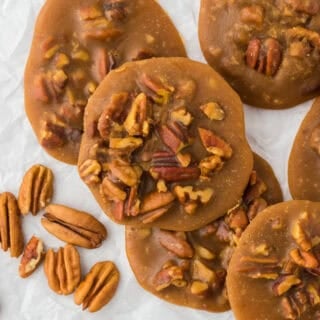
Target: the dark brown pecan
pixel 170 241
pixel 264 56
pixel 115 10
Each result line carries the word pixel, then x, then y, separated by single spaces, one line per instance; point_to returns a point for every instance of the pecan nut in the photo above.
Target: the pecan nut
pixel 89 171
pixel 10 225
pixel 63 269
pixel 98 287
pixel 264 56
pixel 73 226
pixel 36 189
pixel 31 258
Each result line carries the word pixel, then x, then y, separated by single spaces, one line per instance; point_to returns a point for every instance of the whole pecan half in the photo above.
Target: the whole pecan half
pixel 36 189
pixel 73 226
pixel 264 56
pixel 10 225
pixel 98 287
pixel 63 269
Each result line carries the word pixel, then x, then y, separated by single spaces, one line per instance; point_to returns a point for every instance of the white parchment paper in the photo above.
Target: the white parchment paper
pixel 270 133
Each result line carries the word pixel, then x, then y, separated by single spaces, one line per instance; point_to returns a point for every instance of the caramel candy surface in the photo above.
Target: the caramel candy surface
pixel 75 44
pixel 164 145
pixel 282 280
pixel 304 161
pixel 189 268
pixel 267 50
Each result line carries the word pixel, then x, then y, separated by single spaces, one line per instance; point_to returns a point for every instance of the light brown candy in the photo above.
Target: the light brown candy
pixel 70 58
pixel 189 268
pixel 159 157
pixel 98 287
pixel 63 269
pixel 73 226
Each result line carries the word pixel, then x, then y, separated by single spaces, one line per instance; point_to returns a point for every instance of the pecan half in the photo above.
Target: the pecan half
pixel 156 200
pixel 63 269
pixel 264 56
pixel 170 241
pixel 10 225
pixel 299 235
pixel 73 226
pixel 175 174
pixel 31 258
pixel 36 189
pixel 98 287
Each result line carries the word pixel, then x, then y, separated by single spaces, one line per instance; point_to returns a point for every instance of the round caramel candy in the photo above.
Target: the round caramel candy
pixel 75 44
pixel 164 144
pixel 274 272
pixel 304 161
pixel 189 268
pixel 267 50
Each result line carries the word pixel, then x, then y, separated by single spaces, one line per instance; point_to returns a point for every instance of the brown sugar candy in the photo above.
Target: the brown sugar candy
pixel 189 268
pixel 164 145
pixel 72 52
pixel 274 272
pixel 267 50
pixel 304 161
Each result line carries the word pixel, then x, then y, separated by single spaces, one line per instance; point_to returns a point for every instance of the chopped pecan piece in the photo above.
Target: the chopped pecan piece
pixel 300 33
pixel 255 207
pixel 129 143
pixel 31 257
pixel 199 288
pixel 265 57
pixel 204 253
pixel 98 287
pixel 284 283
pixel 237 219
pixel 209 165
pixel 167 276
pixel 184 159
pixel 10 225
pixel 299 235
pixel 112 114
pixel 315 140
pixel 313 294
pixel 104 62
pixel 115 10
pixel 90 171
pixel 36 189
pixel 100 29
pixel 53 133
pixel 215 144
pixel 73 226
pixel 182 115
pixel 170 241
pixel 311 7
pixel 288 311
pixel 63 269
pixel 304 259
pixel 132 207
pixel 137 121
pixel 202 273
pixel 174 174
pixel 254 191
pixel 252 14
pixel 40 90
pixel 156 200
pixel 213 111
pixel 90 13
pixel 127 174
pixel 159 92
pixel 112 191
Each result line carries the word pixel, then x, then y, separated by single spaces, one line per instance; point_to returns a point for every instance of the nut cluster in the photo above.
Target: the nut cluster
pixel 135 147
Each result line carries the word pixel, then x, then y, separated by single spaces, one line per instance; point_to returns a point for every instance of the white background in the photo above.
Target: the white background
pixel 270 133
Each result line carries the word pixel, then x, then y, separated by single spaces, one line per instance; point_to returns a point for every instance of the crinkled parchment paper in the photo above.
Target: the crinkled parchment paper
pixel 270 133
